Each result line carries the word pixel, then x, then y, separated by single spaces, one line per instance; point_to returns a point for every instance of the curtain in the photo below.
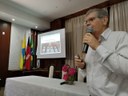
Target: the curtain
pixel 74 37
pixel 118 16
pixel 75 29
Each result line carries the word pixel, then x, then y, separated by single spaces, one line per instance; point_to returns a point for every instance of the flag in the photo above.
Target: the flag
pixel 22 55
pixel 28 55
pixel 32 51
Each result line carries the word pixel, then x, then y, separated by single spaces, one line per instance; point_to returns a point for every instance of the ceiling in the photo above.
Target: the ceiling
pixel 30 13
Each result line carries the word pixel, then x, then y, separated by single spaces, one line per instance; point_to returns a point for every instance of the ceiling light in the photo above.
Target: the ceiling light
pixel 13 19
pixel 36 27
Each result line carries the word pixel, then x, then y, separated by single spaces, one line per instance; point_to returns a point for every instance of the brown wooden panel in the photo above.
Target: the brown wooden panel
pixel 57 24
pixel 4 48
pixel 57 63
pixel 37 72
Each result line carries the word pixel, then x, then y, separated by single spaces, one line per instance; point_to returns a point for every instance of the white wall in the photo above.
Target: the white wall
pixel 17 35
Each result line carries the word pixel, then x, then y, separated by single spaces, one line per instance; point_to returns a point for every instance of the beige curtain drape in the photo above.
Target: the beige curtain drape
pixel 75 29
pixel 74 36
pixel 119 16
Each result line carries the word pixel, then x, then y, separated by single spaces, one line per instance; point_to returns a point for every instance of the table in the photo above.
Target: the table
pixel 42 86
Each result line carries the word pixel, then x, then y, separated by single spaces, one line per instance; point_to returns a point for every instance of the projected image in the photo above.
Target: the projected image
pixel 50 44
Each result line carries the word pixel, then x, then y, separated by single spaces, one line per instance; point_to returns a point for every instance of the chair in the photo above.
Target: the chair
pixel 80 78
pixel 51 71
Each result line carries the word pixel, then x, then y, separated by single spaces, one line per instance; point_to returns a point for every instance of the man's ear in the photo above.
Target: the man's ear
pixel 105 20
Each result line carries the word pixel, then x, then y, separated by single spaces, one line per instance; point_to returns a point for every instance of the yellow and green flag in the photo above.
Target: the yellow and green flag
pixel 22 56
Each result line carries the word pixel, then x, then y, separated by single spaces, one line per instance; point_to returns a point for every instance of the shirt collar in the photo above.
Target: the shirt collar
pixel 105 34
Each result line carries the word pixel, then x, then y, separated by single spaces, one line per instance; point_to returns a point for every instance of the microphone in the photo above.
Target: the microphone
pixel 85 45
pixel 85 48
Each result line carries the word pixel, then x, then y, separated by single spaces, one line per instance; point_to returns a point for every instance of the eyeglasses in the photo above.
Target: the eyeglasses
pixel 90 20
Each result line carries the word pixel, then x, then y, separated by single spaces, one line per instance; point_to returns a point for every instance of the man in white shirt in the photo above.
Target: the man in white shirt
pixel 106 61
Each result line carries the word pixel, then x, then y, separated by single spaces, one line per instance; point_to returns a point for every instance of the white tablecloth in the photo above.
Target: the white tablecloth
pixel 42 86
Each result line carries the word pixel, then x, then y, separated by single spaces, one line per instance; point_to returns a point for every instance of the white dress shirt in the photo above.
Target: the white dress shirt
pixel 107 66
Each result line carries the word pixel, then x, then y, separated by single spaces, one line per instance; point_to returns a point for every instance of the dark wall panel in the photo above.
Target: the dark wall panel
pixel 5 29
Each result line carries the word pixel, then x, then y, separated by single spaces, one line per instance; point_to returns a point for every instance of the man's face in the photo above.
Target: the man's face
pixel 98 24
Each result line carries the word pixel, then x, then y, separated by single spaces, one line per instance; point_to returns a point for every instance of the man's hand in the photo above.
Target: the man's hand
pixel 91 41
pixel 79 63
